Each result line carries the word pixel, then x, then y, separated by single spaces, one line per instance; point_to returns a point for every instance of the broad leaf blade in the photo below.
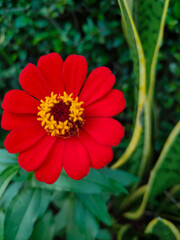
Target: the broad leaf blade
pixel 163 229
pixel 96 205
pixel 85 221
pixel 165 174
pixel 44 201
pixel 166 205
pixel 61 219
pixel 126 232
pixel 149 18
pixel 44 228
pixel 2 216
pixel 9 194
pixel 139 72
pixel 6 176
pixel 6 159
pixel 119 176
pixel 22 214
pixel 72 231
pixel 103 234
pixel 95 182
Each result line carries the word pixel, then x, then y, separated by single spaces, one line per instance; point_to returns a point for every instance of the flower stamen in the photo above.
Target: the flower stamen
pixel 61 115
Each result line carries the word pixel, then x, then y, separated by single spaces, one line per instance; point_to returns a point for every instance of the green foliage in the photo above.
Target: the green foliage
pixel 2 215
pixel 165 166
pixel 95 182
pixel 23 212
pixel 140 77
pixel 6 177
pixel 163 229
pixel 26 200
pixel 44 228
pixel 6 159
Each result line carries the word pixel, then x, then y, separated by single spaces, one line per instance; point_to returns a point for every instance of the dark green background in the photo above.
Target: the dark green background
pixel 30 29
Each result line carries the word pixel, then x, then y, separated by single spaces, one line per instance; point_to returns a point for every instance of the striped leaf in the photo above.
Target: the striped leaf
pixel 165 174
pixel 163 229
pixel 139 72
pixel 144 19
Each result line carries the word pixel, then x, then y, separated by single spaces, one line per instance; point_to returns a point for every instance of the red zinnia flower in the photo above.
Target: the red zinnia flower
pixel 61 120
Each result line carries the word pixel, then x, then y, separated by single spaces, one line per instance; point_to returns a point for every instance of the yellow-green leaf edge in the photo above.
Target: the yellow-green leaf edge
pixel 169 224
pixel 148 99
pixel 142 93
pixel 122 231
pixel 174 133
pixel 148 105
pixel 132 198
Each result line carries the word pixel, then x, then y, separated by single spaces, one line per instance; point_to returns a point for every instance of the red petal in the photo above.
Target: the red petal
pixel 106 131
pixel 20 139
pixel 51 68
pixel 32 158
pixel 98 83
pixel 51 168
pixel 111 104
pixel 18 101
pixel 76 159
pixel 33 82
pixel 100 155
pixel 10 121
pixel 74 73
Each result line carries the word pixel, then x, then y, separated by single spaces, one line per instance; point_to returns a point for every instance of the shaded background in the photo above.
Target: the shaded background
pixel 30 29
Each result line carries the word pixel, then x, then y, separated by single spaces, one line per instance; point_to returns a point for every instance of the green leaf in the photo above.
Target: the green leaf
pixel 86 232
pixel 22 21
pixel 95 182
pixel 61 218
pixel 79 215
pixel 6 176
pixel 85 221
pixel 44 201
pixel 72 231
pixel 103 234
pixel 163 229
pixel 2 216
pixel 22 214
pixel 137 56
pixel 150 18
pixel 134 199
pixel 96 205
pixel 148 25
pixel 44 228
pixel 6 159
pixel 92 226
pixel 126 232
pixel 119 176
pixel 172 196
pixel 58 198
pixel 9 194
pixel 176 9
pixel 165 174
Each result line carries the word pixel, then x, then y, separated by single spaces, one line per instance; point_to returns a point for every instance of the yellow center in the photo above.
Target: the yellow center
pixel 61 115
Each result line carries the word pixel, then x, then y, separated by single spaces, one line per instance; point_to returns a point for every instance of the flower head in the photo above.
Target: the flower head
pixel 62 119
pixel 61 116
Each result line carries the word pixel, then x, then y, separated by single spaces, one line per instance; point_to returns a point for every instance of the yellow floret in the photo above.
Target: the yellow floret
pixel 58 128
